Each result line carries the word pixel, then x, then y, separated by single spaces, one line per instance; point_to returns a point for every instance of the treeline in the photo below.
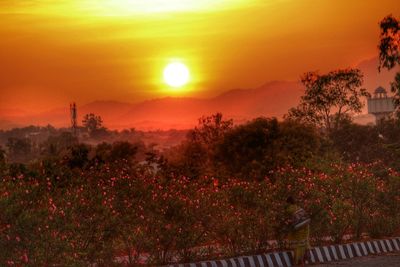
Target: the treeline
pixel 34 143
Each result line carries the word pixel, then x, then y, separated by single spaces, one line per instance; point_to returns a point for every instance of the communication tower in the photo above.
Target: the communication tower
pixel 73 114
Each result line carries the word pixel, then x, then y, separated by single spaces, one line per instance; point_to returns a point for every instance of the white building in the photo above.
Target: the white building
pixel 380 105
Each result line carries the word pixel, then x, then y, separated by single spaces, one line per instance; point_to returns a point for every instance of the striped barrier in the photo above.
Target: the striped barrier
pixel 321 254
pixel 348 251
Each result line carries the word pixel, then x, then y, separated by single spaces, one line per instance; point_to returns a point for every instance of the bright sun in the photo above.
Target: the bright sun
pixel 176 74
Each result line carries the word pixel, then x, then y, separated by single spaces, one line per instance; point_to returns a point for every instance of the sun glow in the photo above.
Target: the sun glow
pixel 176 74
pixel 126 7
pixel 116 8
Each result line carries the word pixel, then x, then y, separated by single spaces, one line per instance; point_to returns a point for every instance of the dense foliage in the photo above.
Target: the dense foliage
pixel 98 204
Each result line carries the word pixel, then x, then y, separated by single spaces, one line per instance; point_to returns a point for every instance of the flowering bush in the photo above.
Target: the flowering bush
pixel 54 215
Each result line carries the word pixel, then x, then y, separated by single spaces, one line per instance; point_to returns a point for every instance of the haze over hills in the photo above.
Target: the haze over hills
pixel 273 99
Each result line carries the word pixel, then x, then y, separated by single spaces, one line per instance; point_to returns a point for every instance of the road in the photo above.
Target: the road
pixel 388 260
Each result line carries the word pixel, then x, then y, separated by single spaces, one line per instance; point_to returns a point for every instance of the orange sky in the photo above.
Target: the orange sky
pixel 53 52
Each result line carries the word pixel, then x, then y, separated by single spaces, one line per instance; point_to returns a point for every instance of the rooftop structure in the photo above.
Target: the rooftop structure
pixel 380 105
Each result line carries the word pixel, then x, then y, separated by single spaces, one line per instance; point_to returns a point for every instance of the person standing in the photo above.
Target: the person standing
pixel 299 231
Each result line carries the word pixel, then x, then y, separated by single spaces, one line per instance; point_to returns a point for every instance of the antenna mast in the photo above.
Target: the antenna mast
pixel 73 113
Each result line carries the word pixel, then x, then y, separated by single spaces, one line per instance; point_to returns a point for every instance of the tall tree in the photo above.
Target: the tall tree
pixel 92 122
pixel 194 157
pixel 211 129
pixel 389 51
pixel 329 98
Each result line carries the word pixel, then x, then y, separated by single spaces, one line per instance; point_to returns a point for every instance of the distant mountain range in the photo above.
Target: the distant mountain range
pixel 272 99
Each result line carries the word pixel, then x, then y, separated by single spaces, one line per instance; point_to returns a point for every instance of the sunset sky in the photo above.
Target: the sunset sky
pixel 54 52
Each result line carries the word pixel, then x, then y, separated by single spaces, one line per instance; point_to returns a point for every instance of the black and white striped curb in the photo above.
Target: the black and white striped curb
pixel 316 255
pixel 348 251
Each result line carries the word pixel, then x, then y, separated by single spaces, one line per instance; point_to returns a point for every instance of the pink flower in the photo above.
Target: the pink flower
pixel 25 257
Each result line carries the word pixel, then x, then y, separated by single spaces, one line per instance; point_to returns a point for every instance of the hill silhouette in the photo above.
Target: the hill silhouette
pixel 272 99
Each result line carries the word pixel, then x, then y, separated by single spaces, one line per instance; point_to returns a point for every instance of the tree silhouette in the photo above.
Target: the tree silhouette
pixel 329 98
pixel 211 129
pixel 194 157
pixel 389 51
pixel 92 122
pixel 389 55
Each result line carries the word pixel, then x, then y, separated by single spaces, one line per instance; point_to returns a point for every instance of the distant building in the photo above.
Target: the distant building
pixel 380 105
